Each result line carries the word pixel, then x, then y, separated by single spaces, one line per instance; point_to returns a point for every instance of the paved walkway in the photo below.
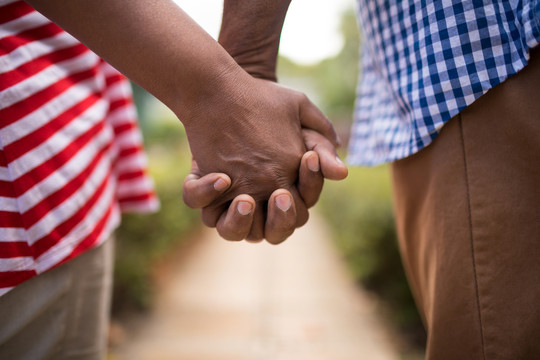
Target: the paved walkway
pixel 246 301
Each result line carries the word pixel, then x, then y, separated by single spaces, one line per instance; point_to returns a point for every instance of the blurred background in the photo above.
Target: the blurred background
pixel 335 290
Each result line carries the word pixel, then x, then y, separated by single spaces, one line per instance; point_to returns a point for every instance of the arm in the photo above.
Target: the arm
pixel 154 43
pixel 250 32
pixel 238 125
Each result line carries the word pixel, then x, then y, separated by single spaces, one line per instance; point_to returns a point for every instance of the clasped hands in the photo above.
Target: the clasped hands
pixel 258 138
pixel 261 152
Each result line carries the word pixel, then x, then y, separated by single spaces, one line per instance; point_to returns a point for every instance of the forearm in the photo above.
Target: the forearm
pixel 250 33
pixel 154 43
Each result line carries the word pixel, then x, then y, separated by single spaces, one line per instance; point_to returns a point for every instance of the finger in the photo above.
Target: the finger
pixel 235 224
pixel 199 192
pixel 331 165
pixel 256 233
pixel 302 214
pixel 281 217
pixel 313 118
pixel 310 178
pixel 195 168
pixel 210 215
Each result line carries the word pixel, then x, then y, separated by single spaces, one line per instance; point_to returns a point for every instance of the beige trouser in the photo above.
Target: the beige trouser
pixel 62 313
pixel 468 220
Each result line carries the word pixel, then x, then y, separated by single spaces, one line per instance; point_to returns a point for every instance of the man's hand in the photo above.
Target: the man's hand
pixel 250 33
pixel 235 223
pixel 250 129
pixel 245 127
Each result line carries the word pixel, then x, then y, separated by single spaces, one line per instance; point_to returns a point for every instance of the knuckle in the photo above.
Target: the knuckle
pixel 229 235
pixel 304 98
pixel 302 218
pixel 190 203
pixel 189 196
pixel 310 202
pixel 327 125
pixel 254 237
pixel 209 218
pixel 288 224
pixel 276 241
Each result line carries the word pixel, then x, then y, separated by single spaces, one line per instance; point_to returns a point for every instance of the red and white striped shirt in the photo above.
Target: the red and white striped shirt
pixel 71 152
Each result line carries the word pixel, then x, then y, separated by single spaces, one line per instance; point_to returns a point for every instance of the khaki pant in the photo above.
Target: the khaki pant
pixel 62 313
pixel 468 220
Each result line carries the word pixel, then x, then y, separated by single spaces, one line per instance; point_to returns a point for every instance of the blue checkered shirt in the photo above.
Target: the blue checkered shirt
pixel 425 61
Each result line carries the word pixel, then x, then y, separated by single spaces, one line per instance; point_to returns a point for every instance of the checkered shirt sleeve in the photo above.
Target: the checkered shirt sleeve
pixel 425 61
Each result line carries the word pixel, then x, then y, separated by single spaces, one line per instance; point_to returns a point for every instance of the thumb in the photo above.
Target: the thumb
pixel 331 166
pixel 200 191
pixel 313 118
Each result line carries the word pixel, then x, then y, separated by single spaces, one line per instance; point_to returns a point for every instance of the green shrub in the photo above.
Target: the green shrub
pixel 143 240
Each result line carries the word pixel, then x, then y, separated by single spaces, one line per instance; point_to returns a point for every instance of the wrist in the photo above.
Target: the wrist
pixel 250 33
pixel 210 86
pixel 259 63
pixel 205 105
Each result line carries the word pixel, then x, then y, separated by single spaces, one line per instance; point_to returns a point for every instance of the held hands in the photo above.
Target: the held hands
pixel 273 179
pixel 235 223
pixel 200 191
pixel 247 128
pixel 252 130
pixel 257 132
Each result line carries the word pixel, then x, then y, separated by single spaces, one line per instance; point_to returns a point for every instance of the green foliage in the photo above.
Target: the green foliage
pixel 359 210
pixel 143 240
pixel 332 81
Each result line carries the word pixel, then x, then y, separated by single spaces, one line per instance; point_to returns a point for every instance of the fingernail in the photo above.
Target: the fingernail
pixel 339 160
pixel 313 163
pixel 220 184
pixel 283 202
pixel 244 207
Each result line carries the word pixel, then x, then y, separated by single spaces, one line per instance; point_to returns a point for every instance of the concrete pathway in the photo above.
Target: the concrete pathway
pixel 246 301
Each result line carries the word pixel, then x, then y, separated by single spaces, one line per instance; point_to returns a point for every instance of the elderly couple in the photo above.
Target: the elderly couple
pixel 449 96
